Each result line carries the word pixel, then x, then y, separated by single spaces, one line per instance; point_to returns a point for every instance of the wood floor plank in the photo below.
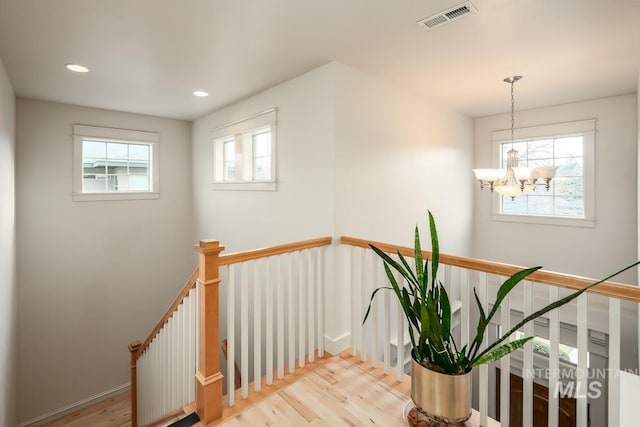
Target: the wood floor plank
pixel 112 412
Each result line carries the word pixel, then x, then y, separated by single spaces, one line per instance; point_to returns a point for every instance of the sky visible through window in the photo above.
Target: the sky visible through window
pixel 565 197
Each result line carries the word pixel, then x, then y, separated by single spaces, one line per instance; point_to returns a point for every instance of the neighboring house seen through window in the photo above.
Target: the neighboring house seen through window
pixel 114 164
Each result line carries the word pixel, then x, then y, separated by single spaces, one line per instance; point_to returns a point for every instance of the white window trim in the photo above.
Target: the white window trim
pixel 586 128
pixel 264 119
pixel 105 134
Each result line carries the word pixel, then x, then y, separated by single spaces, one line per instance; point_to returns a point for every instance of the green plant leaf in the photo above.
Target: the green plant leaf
pixel 392 262
pixel 417 255
pixel 501 351
pixel 548 308
pixel 373 294
pixel 445 308
pixel 507 286
pixel 435 249
pixel 482 325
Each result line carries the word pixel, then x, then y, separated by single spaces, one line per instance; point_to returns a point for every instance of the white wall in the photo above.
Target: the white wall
pixel 355 157
pixel 93 276
pixel 591 252
pixel 397 156
pixel 302 206
pixel 8 284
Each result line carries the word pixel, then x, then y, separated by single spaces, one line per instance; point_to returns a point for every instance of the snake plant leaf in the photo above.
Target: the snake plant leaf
pixel 445 307
pixel 392 262
pixel 425 323
pixel 435 249
pixel 507 286
pixel 373 294
pixel 411 278
pixel 482 325
pixel 408 309
pixel 550 307
pixel 501 351
pixel 417 254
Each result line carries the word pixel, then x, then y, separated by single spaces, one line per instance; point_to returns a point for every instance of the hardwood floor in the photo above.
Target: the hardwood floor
pixel 334 391
pixel 340 392
pixel 113 412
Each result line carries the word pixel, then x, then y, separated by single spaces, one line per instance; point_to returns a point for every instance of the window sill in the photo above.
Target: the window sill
pixel 245 186
pixel 93 197
pixel 546 220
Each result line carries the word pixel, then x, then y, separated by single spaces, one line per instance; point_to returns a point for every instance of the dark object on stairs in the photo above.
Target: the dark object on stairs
pixel 238 379
pixel 187 421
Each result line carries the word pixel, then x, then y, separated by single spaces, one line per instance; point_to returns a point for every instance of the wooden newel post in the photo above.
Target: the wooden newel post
pixel 208 377
pixel 133 349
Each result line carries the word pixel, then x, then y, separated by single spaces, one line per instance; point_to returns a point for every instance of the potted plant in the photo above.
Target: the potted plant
pixel 440 370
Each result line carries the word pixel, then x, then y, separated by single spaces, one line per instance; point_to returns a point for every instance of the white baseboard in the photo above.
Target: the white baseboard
pixel 337 345
pixel 57 413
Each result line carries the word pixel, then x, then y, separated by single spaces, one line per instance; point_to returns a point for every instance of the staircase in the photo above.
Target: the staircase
pixel 270 305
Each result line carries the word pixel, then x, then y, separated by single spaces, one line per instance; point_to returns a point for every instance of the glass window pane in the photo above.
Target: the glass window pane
pixel 117 151
pixel 569 147
pixel 565 196
pixel 542 205
pixel 138 183
pixel 94 149
pixel 229 150
pixel 570 166
pixel 515 206
pixel 262 168
pixel 229 173
pixel 262 144
pixel 139 152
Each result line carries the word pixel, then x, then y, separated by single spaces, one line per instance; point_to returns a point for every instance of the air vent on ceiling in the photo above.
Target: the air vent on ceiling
pixel 447 16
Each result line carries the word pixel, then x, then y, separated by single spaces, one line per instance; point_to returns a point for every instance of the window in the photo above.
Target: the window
pixel 244 154
pixel 566 353
pixel 114 164
pixel 569 200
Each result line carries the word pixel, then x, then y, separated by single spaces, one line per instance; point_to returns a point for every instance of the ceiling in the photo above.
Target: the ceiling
pixel 148 56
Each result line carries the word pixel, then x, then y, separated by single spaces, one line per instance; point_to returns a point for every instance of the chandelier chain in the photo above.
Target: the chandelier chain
pixel 512 110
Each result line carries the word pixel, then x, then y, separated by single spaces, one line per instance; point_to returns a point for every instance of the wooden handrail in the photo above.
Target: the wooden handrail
pixel 189 284
pixel 608 289
pixel 237 257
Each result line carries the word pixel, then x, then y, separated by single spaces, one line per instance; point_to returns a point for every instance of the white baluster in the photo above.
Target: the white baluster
pixel 554 366
pixel 257 326
pixel 244 329
pixel 375 310
pixel 291 317
pixel 401 328
pixel 386 322
pixel 505 365
pixel 614 361
pixel 483 370
pixel 320 301
pixel 231 335
pixel 364 301
pixel 527 367
pixel 581 372
pixel 269 318
pixel 311 285
pixel 280 314
pixel 355 301
pixel 301 285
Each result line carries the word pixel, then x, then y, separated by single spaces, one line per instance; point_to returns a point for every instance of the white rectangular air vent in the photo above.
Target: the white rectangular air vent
pixel 447 16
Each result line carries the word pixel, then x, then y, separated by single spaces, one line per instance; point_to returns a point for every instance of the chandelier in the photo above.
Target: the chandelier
pixel 514 180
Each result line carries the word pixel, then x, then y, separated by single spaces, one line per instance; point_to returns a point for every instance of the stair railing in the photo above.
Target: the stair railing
pixel 163 367
pixel 595 317
pixel 179 362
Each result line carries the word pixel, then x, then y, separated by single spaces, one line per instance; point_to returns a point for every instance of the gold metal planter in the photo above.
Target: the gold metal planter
pixel 443 398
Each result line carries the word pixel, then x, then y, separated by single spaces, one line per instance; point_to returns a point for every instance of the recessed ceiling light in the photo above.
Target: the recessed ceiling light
pixel 200 93
pixel 77 68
